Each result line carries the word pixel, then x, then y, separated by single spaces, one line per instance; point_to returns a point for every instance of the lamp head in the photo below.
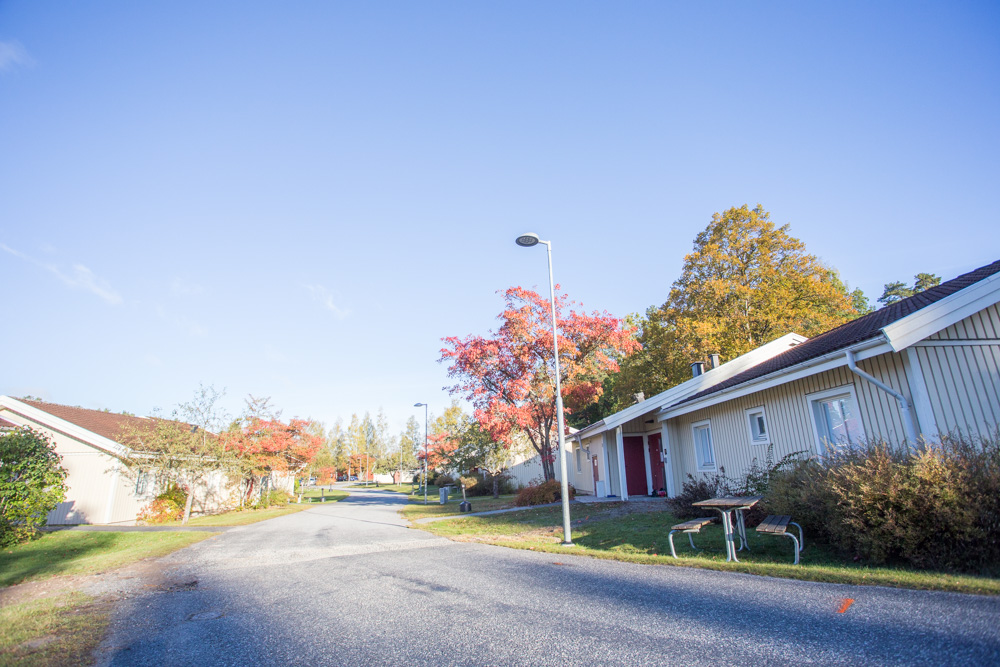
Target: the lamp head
pixel 419 405
pixel 527 240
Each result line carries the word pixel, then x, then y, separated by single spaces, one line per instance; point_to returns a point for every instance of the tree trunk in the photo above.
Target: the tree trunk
pixel 187 505
pixel 496 486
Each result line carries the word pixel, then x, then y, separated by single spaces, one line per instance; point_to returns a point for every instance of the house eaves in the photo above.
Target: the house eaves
pixel 62 426
pixel 691 387
pixel 927 321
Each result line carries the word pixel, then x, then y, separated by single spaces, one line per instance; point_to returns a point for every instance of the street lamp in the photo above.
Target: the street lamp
pixel 527 241
pixel 417 405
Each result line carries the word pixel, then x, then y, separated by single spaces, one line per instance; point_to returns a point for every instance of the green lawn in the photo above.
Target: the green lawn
pixel 637 533
pixel 79 552
pixel 417 510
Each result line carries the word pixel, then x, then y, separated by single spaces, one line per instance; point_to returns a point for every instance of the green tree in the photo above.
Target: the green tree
pixel 897 290
pixel 32 483
pixel 183 450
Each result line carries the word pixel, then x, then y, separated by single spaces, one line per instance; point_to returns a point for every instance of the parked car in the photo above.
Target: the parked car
pixel 312 481
pixel 354 478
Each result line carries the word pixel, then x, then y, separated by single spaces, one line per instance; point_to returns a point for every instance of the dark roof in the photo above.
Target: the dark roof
pixel 862 329
pixel 107 424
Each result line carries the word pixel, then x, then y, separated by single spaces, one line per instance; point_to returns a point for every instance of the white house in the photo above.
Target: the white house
pixel 88 442
pixel 921 368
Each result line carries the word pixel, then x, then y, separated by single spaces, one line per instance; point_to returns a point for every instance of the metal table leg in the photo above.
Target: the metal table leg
pixel 741 526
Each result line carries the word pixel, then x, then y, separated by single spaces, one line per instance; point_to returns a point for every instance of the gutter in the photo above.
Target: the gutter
pixel 904 405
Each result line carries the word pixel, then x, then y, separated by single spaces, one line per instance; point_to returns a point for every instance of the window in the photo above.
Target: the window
pixel 141 484
pixel 757 423
pixel 835 418
pixel 579 462
pixel 703 451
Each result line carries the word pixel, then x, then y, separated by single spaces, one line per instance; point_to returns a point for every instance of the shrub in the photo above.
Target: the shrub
pixel 542 494
pixel 484 485
pixel 693 490
pixel 32 483
pixel 471 483
pixel 167 506
pixel 443 479
pixel 935 507
pixel 275 497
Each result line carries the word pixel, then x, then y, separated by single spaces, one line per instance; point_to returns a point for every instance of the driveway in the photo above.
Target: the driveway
pixel 349 584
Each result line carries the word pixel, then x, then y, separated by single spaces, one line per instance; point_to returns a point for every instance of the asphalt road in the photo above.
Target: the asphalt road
pixel 349 584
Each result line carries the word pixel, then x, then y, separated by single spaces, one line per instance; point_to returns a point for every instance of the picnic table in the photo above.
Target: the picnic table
pixel 730 507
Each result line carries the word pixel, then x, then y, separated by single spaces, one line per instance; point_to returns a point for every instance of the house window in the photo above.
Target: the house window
pixel 835 418
pixel 141 484
pixel 757 423
pixel 579 461
pixel 703 450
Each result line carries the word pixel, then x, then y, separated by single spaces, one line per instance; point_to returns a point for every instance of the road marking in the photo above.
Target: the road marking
pixel 846 604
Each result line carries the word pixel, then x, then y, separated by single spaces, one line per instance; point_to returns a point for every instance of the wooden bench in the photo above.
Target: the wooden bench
pixel 689 527
pixel 776 524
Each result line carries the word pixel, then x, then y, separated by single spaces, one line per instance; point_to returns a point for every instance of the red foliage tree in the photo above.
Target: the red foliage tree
pixel 264 445
pixel 509 375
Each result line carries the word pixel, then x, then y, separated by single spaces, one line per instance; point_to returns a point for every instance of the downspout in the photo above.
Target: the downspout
pixel 904 405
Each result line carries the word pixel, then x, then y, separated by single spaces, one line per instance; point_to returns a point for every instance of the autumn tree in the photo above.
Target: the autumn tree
pixel 897 291
pixel 509 375
pixel 263 445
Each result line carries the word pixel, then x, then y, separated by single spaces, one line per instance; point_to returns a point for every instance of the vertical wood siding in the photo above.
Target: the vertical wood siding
pixel 789 424
pixel 963 380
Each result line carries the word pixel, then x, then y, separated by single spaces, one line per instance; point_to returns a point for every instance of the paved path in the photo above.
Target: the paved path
pixel 349 584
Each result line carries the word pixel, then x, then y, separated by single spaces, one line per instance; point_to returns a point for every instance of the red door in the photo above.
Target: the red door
pixel 656 462
pixel 635 465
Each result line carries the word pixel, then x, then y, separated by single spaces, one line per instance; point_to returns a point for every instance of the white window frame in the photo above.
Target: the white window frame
pixel 750 412
pixel 695 426
pixel 814 398
pixel 579 460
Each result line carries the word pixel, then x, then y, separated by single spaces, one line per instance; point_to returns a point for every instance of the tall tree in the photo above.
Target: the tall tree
pixel 897 291
pixel 509 375
pixel 745 283
pixel 411 441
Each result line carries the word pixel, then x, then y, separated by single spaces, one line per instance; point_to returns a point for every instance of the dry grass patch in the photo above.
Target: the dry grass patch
pixel 60 630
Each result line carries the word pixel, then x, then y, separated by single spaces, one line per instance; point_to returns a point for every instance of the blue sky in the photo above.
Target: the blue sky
pixel 299 200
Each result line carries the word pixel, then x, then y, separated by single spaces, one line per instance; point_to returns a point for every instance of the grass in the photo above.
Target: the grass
pixel 245 517
pixel 60 630
pixel 417 510
pixel 79 552
pixel 637 533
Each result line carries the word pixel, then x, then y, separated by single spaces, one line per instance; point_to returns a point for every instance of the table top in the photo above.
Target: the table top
pixel 730 502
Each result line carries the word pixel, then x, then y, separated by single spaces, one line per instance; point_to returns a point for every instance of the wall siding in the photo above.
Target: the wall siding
pixel 789 424
pixel 964 379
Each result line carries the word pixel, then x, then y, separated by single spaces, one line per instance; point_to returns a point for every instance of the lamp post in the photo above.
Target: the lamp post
pixel 417 405
pixel 527 241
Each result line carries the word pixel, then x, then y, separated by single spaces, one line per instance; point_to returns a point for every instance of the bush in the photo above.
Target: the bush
pixel 32 483
pixel 167 506
pixel 693 490
pixel 443 479
pixel 542 494
pixel 484 485
pixel 936 507
pixel 274 498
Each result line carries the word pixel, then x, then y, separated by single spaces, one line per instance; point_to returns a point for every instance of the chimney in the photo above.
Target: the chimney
pixel 714 358
pixel 640 397
pixel 697 368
